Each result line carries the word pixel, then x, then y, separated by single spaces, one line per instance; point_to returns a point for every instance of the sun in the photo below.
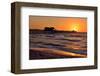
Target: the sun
pixel 75 28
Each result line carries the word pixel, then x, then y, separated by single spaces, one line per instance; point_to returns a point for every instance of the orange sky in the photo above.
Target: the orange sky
pixel 59 23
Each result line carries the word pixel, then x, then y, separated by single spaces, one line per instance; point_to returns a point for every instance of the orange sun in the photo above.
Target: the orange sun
pixel 75 27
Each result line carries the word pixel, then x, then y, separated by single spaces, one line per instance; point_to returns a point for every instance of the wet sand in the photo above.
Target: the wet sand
pixel 45 53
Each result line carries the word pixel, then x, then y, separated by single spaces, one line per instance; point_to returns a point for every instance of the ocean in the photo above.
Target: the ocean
pixel 57 45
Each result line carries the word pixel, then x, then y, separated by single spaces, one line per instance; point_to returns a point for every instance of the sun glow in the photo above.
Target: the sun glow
pixel 75 27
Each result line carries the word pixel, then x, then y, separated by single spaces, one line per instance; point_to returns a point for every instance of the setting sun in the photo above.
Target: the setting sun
pixel 75 28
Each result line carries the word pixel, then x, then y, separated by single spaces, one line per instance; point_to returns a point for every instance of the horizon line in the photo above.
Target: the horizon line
pixel 61 30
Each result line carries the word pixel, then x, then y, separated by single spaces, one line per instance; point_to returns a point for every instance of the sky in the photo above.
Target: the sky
pixel 59 23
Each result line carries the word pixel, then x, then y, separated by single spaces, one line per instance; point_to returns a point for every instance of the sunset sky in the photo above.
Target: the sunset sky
pixel 59 23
